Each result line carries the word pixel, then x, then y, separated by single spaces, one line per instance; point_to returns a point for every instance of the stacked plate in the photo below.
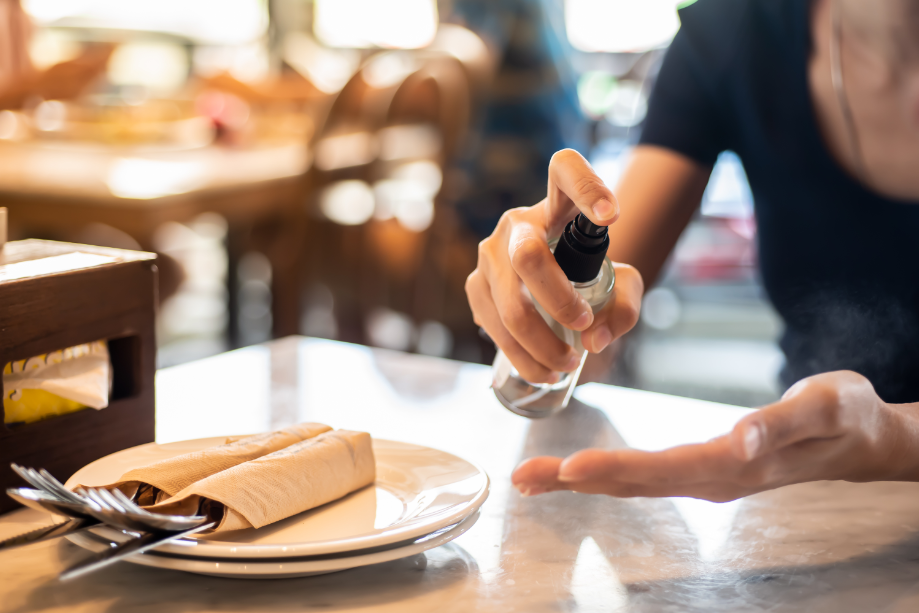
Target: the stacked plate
pixel 422 499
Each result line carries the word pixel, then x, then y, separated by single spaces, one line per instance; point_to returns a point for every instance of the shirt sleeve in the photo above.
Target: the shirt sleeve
pixel 687 112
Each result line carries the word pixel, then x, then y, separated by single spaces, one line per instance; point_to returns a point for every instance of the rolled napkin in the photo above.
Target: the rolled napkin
pixel 167 478
pixel 297 478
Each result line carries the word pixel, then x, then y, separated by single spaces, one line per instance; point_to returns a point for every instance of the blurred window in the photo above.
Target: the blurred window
pixel 728 193
pixel 156 66
pixel 619 26
pixel 328 69
pixel 362 24
pixel 216 22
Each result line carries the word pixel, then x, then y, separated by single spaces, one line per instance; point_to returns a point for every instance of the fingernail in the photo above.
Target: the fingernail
pixel 583 320
pixel 752 441
pixel 601 338
pixel 566 478
pixel 567 475
pixel 604 209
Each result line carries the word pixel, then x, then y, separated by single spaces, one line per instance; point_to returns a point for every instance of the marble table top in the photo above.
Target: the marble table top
pixel 827 546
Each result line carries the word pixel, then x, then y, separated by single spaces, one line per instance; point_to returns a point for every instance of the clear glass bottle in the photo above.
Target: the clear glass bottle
pixel 579 261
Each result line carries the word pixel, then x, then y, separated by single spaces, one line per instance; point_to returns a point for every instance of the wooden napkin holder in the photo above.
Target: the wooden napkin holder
pixel 58 295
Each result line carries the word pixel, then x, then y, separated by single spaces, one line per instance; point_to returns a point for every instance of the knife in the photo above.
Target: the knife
pixel 47 533
pixel 125 549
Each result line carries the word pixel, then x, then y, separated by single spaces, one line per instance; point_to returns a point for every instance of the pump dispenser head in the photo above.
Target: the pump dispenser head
pixel 581 249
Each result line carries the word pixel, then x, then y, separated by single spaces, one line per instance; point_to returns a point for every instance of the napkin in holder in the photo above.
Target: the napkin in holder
pixel 57 383
pixel 60 295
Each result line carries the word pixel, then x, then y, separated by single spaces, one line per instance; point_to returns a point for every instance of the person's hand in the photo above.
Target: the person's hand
pixel 517 255
pixel 829 426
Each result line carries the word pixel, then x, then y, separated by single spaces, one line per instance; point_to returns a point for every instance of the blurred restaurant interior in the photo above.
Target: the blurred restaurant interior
pixel 327 167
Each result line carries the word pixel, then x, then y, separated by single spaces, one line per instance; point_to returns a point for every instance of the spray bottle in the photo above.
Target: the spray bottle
pixel 581 254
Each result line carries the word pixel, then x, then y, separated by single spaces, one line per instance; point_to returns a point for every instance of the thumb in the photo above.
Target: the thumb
pixel 573 184
pixel 809 409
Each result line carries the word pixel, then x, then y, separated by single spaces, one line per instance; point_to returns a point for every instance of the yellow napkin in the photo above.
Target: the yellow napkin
pixel 175 474
pixel 297 478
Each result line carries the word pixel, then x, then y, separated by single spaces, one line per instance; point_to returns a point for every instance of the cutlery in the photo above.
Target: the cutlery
pixel 43 480
pixel 126 549
pixel 100 506
pixel 40 500
pixel 111 507
pixel 116 509
pixel 46 533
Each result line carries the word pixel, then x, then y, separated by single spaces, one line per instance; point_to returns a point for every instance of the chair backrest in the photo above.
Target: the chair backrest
pixel 478 62
pixel 437 94
pixel 399 107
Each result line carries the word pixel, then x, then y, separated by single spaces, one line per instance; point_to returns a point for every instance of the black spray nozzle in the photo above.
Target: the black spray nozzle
pixel 581 249
pixel 587 232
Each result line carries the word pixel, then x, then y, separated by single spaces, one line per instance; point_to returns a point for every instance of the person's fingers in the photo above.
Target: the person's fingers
pixel 697 463
pixel 519 316
pixel 811 408
pixel 507 310
pixel 485 314
pixel 812 433
pixel 573 180
pixel 619 315
pixel 535 265
pixel 613 472
pixel 537 476
pixel 716 492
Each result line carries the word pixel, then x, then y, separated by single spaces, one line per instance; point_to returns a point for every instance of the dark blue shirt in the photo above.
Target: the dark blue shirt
pixel 839 262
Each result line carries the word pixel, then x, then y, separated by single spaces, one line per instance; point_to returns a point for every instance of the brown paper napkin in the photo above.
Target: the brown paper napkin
pixel 297 478
pixel 169 477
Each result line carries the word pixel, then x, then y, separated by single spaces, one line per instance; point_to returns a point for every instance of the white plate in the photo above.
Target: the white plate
pixel 277 569
pixel 418 491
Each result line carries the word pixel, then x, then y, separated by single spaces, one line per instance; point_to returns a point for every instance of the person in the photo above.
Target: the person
pixel 820 99
pixel 529 111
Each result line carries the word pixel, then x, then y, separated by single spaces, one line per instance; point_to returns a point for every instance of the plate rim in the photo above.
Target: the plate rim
pixel 221 549
pixel 273 567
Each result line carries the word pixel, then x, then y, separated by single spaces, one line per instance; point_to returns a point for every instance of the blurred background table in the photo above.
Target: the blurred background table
pixel 819 547
pixel 57 189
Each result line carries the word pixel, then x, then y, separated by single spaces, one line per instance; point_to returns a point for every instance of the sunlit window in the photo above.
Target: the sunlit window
pixel 218 22
pixel 393 24
pixel 158 67
pixel 621 25
pixel 328 69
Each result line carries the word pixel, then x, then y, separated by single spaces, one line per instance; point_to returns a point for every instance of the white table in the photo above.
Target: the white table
pixel 827 546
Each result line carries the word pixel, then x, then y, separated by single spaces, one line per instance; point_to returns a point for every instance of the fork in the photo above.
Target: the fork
pixel 45 481
pixel 40 500
pixel 116 509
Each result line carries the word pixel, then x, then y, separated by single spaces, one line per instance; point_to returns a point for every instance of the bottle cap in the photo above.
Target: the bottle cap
pixel 581 249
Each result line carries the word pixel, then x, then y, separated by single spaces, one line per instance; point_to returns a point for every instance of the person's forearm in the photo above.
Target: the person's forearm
pixel 658 194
